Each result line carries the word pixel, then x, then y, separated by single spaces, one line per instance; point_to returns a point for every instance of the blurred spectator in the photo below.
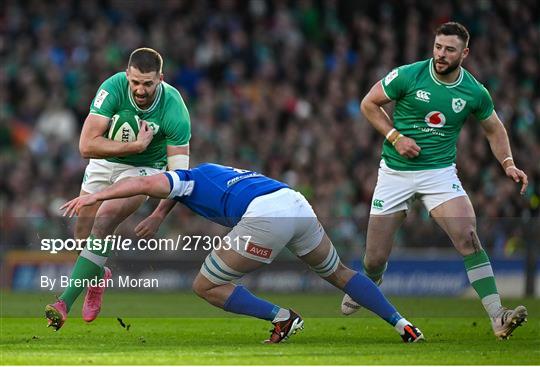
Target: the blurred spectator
pixel 271 86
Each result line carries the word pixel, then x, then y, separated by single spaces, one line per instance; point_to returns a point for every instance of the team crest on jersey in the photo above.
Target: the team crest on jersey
pixel 458 104
pixel 435 119
pixel 153 126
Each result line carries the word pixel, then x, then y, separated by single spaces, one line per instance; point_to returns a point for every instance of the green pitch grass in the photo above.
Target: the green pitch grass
pixel 181 329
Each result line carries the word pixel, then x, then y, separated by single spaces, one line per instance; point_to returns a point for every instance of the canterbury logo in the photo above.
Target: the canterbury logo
pixel 378 203
pixel 422 95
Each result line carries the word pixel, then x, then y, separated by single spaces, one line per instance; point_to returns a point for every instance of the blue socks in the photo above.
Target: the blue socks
pixel 243 302
pixel 364 292
pixel 359 287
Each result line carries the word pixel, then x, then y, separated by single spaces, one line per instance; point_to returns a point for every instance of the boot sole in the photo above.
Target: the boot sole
pixel 54 317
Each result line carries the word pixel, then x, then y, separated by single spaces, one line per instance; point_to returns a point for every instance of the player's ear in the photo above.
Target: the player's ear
pixel 160 77
pixel 465 52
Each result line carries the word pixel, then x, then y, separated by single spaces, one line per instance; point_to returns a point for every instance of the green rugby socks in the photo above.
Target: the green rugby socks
pixel 89 265
pixel 481 276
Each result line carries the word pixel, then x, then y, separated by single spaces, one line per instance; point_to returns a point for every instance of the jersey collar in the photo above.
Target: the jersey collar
pixel 152 106
pixel 438 82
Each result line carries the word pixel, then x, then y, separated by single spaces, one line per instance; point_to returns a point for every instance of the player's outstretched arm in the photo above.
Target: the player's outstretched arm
pixel 155 186
pixel 372 109
pixel 500 146
pixel 92 144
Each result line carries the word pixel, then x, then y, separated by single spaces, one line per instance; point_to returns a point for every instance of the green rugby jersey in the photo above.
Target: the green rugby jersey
pixel 167 116
pixel 432 113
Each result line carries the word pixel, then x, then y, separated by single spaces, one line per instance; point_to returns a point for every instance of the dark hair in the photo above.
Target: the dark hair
pixel 146 60
pixel 454 29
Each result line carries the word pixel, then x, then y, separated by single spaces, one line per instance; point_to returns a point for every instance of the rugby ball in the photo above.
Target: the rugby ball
pixel 124 127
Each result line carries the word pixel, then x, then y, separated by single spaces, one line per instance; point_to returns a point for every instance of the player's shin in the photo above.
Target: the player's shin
pixel 240 300
pixel 348 305
pixel 89 266
pixel 360 288
pixel 363 291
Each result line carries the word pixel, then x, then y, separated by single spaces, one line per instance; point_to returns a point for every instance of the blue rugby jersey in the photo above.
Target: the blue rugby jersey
pixel 221 194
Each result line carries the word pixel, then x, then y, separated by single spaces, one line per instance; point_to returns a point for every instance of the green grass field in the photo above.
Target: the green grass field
pixel 181 329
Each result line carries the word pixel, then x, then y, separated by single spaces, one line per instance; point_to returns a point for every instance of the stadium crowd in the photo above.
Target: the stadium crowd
pixel 270 86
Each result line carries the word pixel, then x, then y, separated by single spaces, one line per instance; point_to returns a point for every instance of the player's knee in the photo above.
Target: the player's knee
pixel 85 221
pixel 106 221
pixel 111 213
pixel 199 287
pixel 467 242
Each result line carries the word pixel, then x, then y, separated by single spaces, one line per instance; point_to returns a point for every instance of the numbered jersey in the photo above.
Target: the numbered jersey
pixel 432 113
pixel 167 117
pixel 221 194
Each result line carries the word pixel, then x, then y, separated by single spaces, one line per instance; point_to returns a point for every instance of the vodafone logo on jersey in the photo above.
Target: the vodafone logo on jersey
pixel 435 119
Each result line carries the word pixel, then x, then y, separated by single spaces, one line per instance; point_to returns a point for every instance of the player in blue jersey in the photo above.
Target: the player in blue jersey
pixel 265 216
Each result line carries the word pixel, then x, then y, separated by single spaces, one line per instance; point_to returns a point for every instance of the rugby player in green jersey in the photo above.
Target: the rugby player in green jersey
pixel 433 100
pixel 162 142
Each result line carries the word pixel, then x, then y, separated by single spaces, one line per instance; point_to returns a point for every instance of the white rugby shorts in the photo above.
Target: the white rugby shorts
pixel 395 190
pixel 100 174
pixel 283 218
